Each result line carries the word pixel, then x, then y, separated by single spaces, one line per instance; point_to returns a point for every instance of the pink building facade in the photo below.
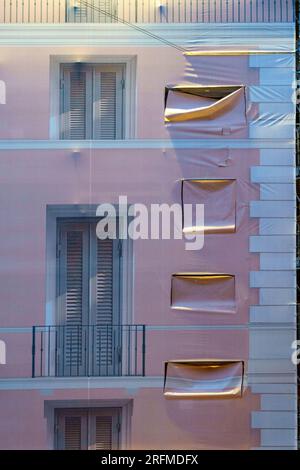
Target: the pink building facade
pixel 145 344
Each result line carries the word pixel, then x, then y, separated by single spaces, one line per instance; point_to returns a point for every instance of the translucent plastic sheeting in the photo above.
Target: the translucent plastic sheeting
pixel 209 316
pixel 274 94
pixel 279 58
pixel 219 199
pixel 203 292
pixel 203 379
pixel 233 94
pixel 185 103
pixel 216 109
pixel 265 36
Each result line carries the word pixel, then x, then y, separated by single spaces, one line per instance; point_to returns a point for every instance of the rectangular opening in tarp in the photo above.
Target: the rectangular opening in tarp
pixel 201 292
pixel 195 110
pixel 189 102
pixel 219 199
pixel 206 379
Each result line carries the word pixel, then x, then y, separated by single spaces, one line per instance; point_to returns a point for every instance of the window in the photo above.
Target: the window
pixel 89 328
pixel 98 11
pixel 196 378
pixel 186 103
pixel 91 101
pixel 203 292
pixel 88 301
pixel 219 199
pixel 88 429
pixel 212 109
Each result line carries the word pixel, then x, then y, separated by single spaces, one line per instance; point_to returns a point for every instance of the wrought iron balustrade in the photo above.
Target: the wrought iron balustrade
pixel 88 350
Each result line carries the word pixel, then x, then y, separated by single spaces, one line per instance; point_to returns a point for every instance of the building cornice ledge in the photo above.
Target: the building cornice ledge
pixel 184 34
pixel 56 383
pixel 75 146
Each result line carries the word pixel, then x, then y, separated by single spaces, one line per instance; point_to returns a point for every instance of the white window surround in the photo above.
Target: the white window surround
pixel 126 406
pixel 127 274
pixel 129 93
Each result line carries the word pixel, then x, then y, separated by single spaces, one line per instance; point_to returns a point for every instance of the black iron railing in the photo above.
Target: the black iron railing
pixel 88 350
pixel 146 11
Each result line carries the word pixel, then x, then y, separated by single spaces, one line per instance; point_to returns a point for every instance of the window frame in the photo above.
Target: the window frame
pixel 125 406
pixel 87 226
pixel 88 416
pixel 69 223
pixel 91 116
pixel 129 93
pixel 56 212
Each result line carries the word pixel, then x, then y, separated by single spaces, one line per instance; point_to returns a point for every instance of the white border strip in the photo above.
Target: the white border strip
pixel 252 35
pixel 77 145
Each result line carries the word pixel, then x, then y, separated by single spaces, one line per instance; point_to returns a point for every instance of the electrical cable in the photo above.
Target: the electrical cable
pixel 131 25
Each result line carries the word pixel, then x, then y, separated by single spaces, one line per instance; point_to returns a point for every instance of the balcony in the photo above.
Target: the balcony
pixel 88 351
pixel 146 11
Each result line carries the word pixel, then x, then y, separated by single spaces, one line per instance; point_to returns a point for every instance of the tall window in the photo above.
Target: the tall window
pixel 88 429
pixel 91 101
pixel 88 297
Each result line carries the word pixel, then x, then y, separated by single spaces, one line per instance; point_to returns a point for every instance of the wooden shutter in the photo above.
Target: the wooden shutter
pixel 88 301
pixel 94 13
pixel 108 102
pixel 104 428
pixel 103 432
pixel 72 433
pixel 88 428
pixel 91 101
pixel 73 297
pixel 105 294
pixel 76 99
pixel 72 429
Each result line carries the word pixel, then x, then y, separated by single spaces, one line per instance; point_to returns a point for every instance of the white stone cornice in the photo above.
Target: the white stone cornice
pixel 129 383
pixel 146 144
pixel 56 383
pixel 275 36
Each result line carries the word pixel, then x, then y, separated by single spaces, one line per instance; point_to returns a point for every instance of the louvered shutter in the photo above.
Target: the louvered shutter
pixel 76 118
pixel 73 298
pixel 72 433
pixel 104 428
pixel 91 101
pixel 103 432
pixel 72 429
pixel 108 102
pixel 106 338
pixel 90 336
pixel 93 12
pixel 105 313
pixel 87 428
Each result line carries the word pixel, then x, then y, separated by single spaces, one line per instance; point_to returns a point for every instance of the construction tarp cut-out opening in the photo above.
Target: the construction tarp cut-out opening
pixel 206 293
pixel 189 102
pixel 219 199
pixel 206 379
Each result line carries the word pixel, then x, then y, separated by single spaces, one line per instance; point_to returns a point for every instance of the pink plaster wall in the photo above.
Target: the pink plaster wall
pixel 32 179
pixel 156 423
pixel 26 115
